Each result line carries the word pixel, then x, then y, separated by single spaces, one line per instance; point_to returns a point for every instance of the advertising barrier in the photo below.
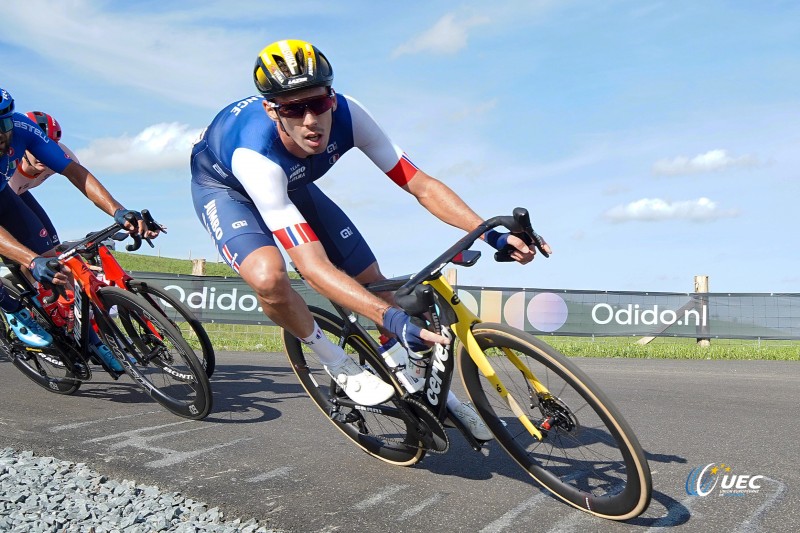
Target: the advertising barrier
pixel 544 311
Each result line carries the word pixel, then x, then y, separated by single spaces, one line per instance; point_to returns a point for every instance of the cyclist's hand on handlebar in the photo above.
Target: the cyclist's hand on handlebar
pixel 44 273
pixel 522 253
pixel 516 248
pixel 411 335
pixel 134 223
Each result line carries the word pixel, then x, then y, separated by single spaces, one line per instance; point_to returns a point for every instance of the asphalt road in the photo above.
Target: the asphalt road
pixel 267 452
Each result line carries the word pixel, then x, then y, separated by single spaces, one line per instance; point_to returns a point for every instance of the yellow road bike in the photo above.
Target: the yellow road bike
pixel 540 407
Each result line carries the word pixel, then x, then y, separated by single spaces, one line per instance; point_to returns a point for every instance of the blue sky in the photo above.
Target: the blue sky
pixel 651 140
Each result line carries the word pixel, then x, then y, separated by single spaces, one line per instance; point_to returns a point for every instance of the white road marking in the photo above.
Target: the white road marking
pixel 278 472
pixel 751 524
pixel 378 498
pixel 135 439
pixel 411 512
pixel 76 425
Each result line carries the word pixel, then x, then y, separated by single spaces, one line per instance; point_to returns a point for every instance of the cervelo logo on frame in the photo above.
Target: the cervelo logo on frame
pixel 703 480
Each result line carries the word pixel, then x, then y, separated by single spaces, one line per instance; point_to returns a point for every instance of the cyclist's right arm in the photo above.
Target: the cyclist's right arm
pixel 11 248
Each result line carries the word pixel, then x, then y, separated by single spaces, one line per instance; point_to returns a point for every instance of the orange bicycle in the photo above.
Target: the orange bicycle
pixel 148 346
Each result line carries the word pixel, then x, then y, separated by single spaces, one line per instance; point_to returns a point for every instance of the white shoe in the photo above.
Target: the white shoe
pixel 360 385
pixel 467 415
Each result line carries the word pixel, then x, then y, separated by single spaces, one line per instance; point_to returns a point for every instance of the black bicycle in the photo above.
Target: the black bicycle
pixel 540 407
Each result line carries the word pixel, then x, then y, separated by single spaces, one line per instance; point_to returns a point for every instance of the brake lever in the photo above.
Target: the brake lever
pixel 528 236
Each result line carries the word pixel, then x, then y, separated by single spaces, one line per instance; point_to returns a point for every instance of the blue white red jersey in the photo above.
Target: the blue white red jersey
pixel 247 155
pixel 28 136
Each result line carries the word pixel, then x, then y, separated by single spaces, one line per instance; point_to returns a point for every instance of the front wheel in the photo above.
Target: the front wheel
pixel 181 317
pixel 381 435
pixel 155 354
pixel 589 456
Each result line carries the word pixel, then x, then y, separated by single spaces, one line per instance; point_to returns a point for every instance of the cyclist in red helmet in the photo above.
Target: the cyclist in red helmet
pixel 30 152
pixel 31 172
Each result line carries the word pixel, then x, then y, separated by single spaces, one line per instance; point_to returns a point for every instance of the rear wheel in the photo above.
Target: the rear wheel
pixel 589 456
pixel 181 317
pixel 155 354
pixel 384 436
pixel 47 367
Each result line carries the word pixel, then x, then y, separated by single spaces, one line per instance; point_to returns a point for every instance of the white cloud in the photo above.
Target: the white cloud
pixel 177 54
pixel 656 209
pixel 712 161
pixel 158 147
pixel 447 36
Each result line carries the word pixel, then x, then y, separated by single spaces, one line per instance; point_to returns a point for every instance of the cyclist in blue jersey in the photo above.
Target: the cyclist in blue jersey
pixel 253 174
pixel 24 237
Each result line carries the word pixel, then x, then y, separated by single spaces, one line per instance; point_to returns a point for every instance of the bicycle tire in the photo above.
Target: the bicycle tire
pixel 384 437
pixel 48 367
pixel 154 293
pixel 590 457
pixel 162 363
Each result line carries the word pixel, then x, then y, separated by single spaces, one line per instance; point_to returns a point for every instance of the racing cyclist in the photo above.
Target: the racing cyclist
pixel 24 236
pixel 253 174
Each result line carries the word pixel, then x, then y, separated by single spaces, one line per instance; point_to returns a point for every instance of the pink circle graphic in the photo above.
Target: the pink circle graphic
pixel 547 312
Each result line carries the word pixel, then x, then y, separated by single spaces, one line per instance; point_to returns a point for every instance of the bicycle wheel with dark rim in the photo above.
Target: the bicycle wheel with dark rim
pixel 155 354
pixel 589 456
pixel 181 317
pixel 380 435
pixel 47 367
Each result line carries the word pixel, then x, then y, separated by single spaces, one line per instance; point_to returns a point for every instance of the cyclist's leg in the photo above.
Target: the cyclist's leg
pixel 347 249
pixel 249 248
pixel 24 226
pixel 44 219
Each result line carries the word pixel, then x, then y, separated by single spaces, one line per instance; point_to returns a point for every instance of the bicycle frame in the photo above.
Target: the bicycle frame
pixel 442 366
pixel 462 327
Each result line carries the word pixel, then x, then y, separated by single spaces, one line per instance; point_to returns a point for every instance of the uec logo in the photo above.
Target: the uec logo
pixel 703 480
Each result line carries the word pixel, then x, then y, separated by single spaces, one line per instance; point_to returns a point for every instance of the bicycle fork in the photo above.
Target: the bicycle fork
pixel 477 355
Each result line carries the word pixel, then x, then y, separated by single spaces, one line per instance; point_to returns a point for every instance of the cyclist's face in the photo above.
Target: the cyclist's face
pixel 5 141
pixel 306 135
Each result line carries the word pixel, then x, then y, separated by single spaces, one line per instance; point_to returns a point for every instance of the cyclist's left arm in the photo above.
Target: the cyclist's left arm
pixel 91 187
pixel 435 196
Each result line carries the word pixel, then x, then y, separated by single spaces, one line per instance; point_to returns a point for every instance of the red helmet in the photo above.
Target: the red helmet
pixel 48 124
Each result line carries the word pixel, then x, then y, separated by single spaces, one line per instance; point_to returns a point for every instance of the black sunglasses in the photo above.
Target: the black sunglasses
pixel 297 109
pixel 6 124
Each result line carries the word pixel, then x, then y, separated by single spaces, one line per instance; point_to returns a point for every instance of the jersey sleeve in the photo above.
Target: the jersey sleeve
pixel 266 184
pixel 69 153
pixel 45 150
pixel 375 144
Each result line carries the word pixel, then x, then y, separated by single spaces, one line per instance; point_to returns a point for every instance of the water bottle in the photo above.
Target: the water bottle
pixel 398 360
pixel 60 308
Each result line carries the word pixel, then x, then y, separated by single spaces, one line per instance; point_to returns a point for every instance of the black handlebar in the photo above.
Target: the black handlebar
pixel 92 240
pixel 519 224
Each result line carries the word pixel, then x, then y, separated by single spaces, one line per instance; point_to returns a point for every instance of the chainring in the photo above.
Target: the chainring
pixel 429 429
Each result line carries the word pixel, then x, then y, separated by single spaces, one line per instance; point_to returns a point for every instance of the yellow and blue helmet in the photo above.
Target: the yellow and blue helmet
pixel 290 65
